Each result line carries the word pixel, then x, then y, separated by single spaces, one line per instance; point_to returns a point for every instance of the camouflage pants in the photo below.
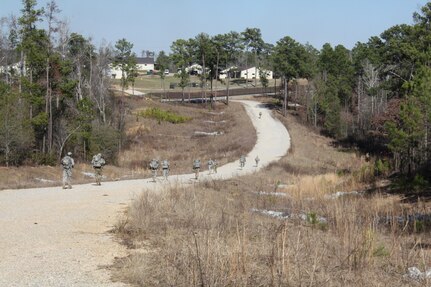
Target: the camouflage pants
pixel 154 174
pixel 67 175
pixel 98 174
pixel 196 173
pixel 165 173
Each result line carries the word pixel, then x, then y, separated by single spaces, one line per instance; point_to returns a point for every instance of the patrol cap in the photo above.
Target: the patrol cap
pixel 69 153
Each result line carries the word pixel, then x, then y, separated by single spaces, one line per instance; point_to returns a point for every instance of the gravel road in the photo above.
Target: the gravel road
pixel 55 237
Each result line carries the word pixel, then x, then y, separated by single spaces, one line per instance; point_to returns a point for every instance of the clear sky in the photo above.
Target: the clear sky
pixel 154 25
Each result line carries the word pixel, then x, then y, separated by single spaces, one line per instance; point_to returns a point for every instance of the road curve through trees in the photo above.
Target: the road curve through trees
pixel 55 237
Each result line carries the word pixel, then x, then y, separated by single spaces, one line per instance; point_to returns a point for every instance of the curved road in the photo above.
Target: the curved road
pixel 55 237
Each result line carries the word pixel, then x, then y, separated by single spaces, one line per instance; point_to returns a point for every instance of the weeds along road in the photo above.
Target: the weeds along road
pixel 55 237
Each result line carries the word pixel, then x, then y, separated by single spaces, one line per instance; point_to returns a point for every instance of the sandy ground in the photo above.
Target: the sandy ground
pixel 56 237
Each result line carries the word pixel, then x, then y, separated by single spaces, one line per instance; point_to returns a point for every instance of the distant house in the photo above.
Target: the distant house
pixel 13 68
pixel 233 71
pixel 241 73
pixel 254 73
pixel 143 65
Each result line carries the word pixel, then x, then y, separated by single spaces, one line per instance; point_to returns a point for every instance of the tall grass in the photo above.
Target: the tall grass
pixel 208 235
pixel 212 235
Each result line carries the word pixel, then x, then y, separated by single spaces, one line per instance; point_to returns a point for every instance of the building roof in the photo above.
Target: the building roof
pixel 145 60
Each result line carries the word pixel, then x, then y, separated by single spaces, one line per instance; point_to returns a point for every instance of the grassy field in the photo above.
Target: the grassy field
pixel 153 83
pixel 283 226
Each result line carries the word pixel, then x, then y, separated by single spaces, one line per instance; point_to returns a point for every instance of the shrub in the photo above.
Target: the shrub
pixel 44 158
pixel 162 115
pixel 104 139
pixel 381 167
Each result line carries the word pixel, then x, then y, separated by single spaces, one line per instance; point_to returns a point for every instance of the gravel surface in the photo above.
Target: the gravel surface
pixel 55 237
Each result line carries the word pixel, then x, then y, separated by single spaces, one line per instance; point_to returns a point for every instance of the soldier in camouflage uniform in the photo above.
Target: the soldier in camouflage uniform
pixel 98 162
pixel 215 164
pixel 67 163
pixel 242 161
pixel 210 166
pixel 257 159
pixel 154 166
pixel 165 168
pixel 196 167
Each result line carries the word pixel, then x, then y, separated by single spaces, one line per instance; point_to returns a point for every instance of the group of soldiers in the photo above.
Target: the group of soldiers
pixel 98 162
pixel 68 163
pixel 242 161
pixel 155 165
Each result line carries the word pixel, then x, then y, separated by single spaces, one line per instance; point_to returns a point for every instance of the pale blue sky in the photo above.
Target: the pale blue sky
pixel 154 25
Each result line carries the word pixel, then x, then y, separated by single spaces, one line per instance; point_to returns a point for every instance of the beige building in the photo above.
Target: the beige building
pixel 144 66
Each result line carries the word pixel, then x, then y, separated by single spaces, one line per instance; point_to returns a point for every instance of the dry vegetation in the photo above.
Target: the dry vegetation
pixel 216 234
pixel 179 143
pixel 149 138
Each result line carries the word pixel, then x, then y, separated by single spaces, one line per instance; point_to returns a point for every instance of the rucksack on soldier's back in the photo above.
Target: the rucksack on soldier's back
pixel 66 162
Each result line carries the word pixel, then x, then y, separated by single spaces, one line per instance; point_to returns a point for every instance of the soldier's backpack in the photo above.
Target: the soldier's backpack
pixel 197 164
pixel 98 161
pixel 66 162
pixel 154 164
pixel 165 164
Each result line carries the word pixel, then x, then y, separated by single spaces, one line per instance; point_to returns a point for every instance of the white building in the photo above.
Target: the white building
pixel 14 68
pixel 254 73
pixel 232 70
pixel 143 66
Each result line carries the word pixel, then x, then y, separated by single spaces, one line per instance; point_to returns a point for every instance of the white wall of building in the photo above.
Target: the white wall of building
pixel 254 72
pixel 116 72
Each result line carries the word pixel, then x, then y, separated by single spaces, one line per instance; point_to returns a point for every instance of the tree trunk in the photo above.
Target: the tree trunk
pixel 204 79
pixel 215 93
pixel 227 87
pixel 286 91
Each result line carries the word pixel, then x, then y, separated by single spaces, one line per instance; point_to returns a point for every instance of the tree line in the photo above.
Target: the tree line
pixel 55 85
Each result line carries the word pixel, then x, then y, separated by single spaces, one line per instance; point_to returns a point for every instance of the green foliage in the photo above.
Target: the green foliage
pixel 291 59
pixel 125 60
pixel 162 115
pixel 381 251
pixel 263 79
pixel 329 103
pixel 40 121
pixel 44 158
pixel 336 63
pixel 184 78
pixel 419 183
pixel 418 226
pixel 408 133
pixel 104 139
pixel 381 167
pixel 312 218
pixel 162 63
pixel 416 183
pixel 16 134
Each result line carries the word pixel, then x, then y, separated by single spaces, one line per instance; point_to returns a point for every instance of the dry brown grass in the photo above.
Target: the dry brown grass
pixel 178 142
pixel 211 235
